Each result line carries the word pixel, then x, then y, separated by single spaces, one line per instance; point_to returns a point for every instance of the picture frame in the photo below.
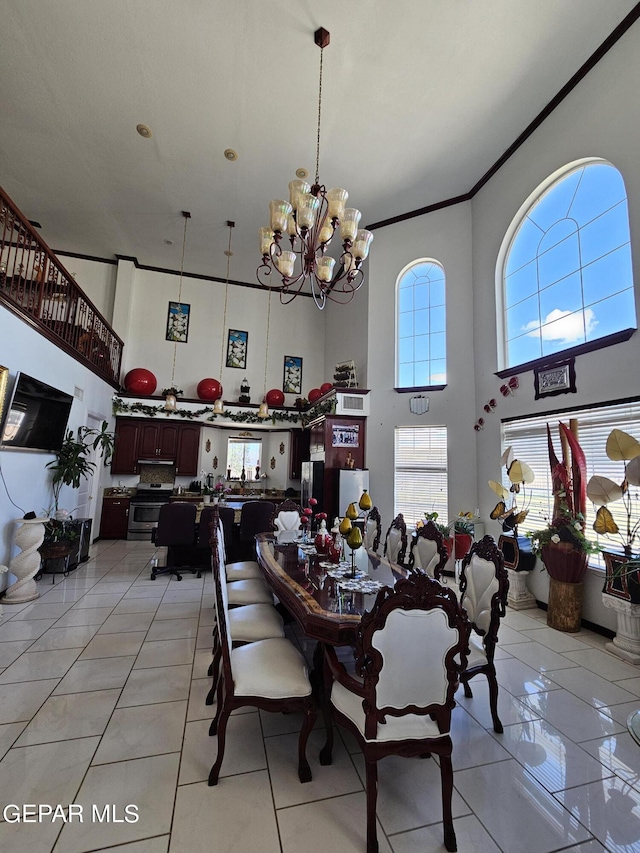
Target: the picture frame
pixel 558 377
pixel 345 435
pixel 178 322
pixel 4 379
pixel 237 343
pixel 292 378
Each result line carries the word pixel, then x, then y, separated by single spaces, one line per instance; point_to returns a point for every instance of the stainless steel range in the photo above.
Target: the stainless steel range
pixel 145 508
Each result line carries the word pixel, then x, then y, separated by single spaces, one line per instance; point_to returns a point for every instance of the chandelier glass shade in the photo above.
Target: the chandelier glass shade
pixel 311 221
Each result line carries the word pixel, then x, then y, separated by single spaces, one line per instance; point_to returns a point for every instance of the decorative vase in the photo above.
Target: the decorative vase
pixel 206 499
pixel 620 581
pixel 25 566
pixel 564 610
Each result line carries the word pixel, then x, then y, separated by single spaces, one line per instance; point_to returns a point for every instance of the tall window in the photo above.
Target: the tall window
pixel 243 454
pixel 528 438
pixel 421 352
pixel 420 478
pixel 567 277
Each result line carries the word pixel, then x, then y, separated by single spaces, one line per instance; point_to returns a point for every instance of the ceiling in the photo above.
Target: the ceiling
pixel 420 98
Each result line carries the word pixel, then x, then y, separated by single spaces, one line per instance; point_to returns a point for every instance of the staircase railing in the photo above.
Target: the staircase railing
pixel 37 287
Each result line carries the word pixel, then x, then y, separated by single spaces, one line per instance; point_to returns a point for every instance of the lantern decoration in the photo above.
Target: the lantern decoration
pixel 275 397
pixel 326 387
pixel 209 389
pixel 314 394
pixel 140 381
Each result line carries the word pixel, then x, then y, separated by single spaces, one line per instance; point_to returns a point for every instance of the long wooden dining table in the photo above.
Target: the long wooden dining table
pixel 322 606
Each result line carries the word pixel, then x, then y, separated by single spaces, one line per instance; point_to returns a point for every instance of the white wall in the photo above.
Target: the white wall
pixel 444 235
pixel 98 281
pixel 600 118
pixel 27 483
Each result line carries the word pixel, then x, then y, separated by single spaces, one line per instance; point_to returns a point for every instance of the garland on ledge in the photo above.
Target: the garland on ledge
pixel 327 406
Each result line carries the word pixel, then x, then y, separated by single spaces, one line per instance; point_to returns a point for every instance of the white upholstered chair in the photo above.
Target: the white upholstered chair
pixel 287 521
pixel 373 530
pixel 270 674
pixel 395 542
pixel 428 551
pixel 484 584
pixel 409 651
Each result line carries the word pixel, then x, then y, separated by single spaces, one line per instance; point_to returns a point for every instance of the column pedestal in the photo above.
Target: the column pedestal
pixel 626 643
pixel 26 564
pixel 519 597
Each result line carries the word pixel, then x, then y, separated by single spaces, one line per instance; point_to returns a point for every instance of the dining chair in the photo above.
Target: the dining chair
pixel 428 551
pixel 255 517
pixel 409 651
pixel 269 674
pixel 373 530
pixel 287 521
pixel 484 584
pixel 176 531
pixel 395 542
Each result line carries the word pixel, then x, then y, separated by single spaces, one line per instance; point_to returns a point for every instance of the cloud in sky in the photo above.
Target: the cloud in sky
pixel 563 326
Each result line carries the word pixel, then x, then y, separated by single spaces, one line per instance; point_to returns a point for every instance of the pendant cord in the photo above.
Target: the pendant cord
pixel 319 117
pixel 187 216
pixel 266 353
pixel 229 255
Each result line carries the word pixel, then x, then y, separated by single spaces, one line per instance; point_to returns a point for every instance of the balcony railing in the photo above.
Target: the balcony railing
pixel 36 287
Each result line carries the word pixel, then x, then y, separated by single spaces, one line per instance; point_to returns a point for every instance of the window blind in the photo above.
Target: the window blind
pixel 528 438
pixel 420 482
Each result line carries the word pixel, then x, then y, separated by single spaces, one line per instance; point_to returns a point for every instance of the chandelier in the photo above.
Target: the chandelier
pixel 310 219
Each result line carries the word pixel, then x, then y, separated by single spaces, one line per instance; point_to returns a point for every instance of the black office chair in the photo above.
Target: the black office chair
pixel 176 531
pixel 256 517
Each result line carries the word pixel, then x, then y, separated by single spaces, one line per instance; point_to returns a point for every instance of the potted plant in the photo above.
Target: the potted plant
pixel 621 566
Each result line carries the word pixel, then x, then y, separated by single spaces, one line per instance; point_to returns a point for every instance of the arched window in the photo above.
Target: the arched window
pixel 421 351
pixel 567 276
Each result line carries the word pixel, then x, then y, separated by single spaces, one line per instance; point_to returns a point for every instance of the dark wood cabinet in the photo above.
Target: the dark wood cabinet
pixel 143 439
pixel 115 518
pixel 188 449
pixel 298 452
pixel 125 455
pixel 337 438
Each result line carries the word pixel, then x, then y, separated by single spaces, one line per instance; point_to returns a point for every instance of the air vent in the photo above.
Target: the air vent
pixel 78 393
pixel 352 404
pixel 355 403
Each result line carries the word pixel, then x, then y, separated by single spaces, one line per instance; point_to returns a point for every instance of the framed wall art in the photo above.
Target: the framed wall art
pixel 237 349
pixel 178 322
pixel 292 380
pixel 556 378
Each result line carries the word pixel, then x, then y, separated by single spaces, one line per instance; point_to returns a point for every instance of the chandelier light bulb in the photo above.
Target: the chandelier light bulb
pixel 307 209
pixel 266 239
pixel 349 224
pixel 361 246
pixel 296 189
pixel 285 263
pixel 279 210
pixel 337 198
pixel 325 267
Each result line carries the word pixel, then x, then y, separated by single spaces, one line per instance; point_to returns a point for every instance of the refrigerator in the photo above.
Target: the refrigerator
pixel 333 488
pixel 348 488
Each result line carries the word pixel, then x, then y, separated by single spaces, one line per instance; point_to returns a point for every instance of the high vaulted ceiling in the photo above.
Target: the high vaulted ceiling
pixel 420 98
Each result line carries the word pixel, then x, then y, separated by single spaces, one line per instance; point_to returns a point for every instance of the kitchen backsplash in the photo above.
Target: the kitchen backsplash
pixel 157 473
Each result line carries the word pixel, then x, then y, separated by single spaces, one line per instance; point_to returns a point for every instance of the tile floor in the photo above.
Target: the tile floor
pixel 102 688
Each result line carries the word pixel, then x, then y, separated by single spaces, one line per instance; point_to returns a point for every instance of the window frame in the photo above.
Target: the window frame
pixel 234 440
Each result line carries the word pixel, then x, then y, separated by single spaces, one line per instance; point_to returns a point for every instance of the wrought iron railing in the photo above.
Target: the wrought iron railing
pixel 36 287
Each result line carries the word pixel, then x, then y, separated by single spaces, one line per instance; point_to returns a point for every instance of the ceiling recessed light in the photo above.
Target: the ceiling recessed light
pixel 302 173
pixel 230 154
pixel 145 131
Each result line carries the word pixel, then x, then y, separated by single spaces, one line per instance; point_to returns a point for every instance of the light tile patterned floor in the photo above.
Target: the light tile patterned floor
pixel 102 688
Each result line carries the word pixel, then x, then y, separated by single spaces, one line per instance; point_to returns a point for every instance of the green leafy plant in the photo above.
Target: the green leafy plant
pixel 445 529
pixel 564 528
pixel 175 392
pixel 72 462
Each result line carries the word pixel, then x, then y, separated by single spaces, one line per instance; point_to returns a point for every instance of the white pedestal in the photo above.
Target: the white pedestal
pixel 626 643
pixel 519 597
pixel 26 564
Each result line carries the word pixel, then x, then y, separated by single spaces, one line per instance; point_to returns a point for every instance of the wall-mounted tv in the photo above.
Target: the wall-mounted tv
pixel 36 417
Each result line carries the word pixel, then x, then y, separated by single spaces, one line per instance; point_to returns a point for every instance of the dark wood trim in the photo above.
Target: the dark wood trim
pixel 576 408
pixel 616 34
pixel 83 257
pixel 420 388
pixel 581 349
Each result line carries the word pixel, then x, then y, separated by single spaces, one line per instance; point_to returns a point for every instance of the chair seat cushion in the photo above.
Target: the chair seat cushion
pixel 477 655
pixel 271 669
pixel 253 591
pixel 242 571
pixel 408 727
pixel 255 622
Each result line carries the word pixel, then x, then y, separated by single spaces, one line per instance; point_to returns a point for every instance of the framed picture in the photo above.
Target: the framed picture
pixel 178 322
pixel 292 381
pixel 237 349
pixel 557 378
pixel 345 435
pixel 4 378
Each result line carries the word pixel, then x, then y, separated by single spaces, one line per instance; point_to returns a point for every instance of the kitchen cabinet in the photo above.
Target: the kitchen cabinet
pixel 174 443
pixel 298 452
pixel 335 439
pixel 115 518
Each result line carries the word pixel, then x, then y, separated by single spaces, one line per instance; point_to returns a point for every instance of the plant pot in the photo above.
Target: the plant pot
pixel 620 582
pixel 55 550
pixel 564 610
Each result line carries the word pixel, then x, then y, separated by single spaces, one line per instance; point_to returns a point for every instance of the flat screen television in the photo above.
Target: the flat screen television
pixel 36 417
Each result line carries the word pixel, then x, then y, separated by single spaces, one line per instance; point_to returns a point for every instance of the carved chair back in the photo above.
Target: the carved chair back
pixel 373 530
pixel 428 551
pixel 395 542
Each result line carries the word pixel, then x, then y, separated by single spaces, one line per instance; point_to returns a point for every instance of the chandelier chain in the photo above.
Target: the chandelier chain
pixel 266 349
pixel 175 345
pixel 228 253
pixel 319 117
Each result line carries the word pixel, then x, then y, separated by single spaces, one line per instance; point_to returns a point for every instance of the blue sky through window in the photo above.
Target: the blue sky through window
pixel 420 324
pixel 567 275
